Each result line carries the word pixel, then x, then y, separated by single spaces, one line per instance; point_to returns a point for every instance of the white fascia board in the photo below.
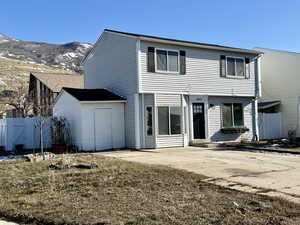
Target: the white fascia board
pixel 191 94
pixel 103 102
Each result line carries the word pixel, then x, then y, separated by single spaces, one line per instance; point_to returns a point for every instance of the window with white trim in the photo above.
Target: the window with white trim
pixel 149 120
pixel 169 120
pixel 167 61
pixel 235 66
pixel 232 115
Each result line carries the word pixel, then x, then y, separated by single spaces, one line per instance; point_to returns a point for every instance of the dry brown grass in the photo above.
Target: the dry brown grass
pixel 120 192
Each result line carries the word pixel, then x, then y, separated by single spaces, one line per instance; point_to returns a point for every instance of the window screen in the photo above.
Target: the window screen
pixel 238 115
pixel 227 115
pixel 175 118
pixel 230 66
pixel 240 67
pixel 161 60
pixel 163 120
pixel 173 61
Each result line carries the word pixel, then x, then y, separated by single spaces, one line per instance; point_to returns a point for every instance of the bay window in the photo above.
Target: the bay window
pixel 169 120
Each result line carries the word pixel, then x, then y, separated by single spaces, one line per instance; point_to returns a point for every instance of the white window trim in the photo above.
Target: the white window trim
pixel 232 114
pixel 166 135
pixel 167 71
pixel 146 106
pixel 235 76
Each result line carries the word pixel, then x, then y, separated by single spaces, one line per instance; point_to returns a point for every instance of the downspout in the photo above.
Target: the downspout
pixel 137 132
pixel 137 118
pixel 155 120
pixel 257 96
pixel 297 125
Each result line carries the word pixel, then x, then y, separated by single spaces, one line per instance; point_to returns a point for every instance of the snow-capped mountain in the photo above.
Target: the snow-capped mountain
pixel 64 56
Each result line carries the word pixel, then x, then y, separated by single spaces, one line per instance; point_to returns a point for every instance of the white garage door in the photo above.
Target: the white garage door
pixel 103 129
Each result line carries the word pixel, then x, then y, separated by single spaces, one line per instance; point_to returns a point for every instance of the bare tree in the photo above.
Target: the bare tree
pixel 18 99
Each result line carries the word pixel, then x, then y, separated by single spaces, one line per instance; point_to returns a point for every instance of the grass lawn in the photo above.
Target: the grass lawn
pixel 120 192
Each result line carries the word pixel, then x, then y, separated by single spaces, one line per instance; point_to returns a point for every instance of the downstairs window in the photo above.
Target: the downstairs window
pixel 232 115
pixel 169 120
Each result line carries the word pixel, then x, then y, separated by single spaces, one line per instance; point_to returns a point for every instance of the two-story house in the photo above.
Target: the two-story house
pixel 177 92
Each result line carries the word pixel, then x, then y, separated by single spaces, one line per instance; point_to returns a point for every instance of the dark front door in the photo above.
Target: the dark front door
pixel 199 121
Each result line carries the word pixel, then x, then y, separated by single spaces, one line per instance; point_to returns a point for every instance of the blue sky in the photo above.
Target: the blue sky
pixel 264 23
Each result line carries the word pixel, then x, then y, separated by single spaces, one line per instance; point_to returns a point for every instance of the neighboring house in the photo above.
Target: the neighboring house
pixel 177 92
pixel 43 89
pixel 280 87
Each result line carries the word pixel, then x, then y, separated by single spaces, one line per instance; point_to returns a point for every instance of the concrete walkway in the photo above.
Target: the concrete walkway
pixel 263 173
pixel 2 222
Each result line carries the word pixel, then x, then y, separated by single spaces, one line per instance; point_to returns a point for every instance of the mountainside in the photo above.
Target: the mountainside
pixel 14 72
pixel 64 56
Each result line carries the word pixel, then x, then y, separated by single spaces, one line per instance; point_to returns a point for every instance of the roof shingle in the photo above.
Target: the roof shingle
pixel 57 81
pixel 93 94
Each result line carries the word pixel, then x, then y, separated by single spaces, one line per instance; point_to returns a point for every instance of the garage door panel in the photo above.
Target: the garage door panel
pixel 103 129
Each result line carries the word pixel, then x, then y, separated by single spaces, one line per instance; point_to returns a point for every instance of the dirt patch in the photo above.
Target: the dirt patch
pixel 120 192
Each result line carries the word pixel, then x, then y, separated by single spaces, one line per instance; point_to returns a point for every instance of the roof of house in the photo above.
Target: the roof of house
pixel 265 105
pixel 56 82
pixel 93 94
pixel 199 44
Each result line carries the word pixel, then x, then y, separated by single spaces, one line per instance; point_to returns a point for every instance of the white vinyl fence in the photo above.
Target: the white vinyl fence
pixel 24 131
pixel 269 125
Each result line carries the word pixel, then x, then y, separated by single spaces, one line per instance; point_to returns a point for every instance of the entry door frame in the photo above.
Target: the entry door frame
pixel 201 131
pixel 198 99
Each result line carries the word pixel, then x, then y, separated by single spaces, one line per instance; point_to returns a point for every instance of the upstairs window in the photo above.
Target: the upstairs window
pixel 235 66
pixel 167 61
pixel 233 115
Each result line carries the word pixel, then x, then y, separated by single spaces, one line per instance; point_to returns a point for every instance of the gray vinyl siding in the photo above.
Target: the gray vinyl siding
pixel 112 65
pixel 168 99
pixel 130 122
pixel 215 119
pixel 202 74
pixel 168 140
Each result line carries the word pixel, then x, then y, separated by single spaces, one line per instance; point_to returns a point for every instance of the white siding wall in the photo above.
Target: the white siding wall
pixel 215 119
pixel 67 106
pixel 88 124
pixel 168 140
pixel 203 74
pixel 113 65
pixel 280 81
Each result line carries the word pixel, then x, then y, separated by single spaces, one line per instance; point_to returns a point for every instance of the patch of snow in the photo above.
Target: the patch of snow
pixel 10 157
pixel 4 38
pixel 86 45
pixel 3 41
pixel 2 83
pixel 70 54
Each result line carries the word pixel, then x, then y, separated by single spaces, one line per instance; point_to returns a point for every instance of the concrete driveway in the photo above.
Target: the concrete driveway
pixel 270 174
